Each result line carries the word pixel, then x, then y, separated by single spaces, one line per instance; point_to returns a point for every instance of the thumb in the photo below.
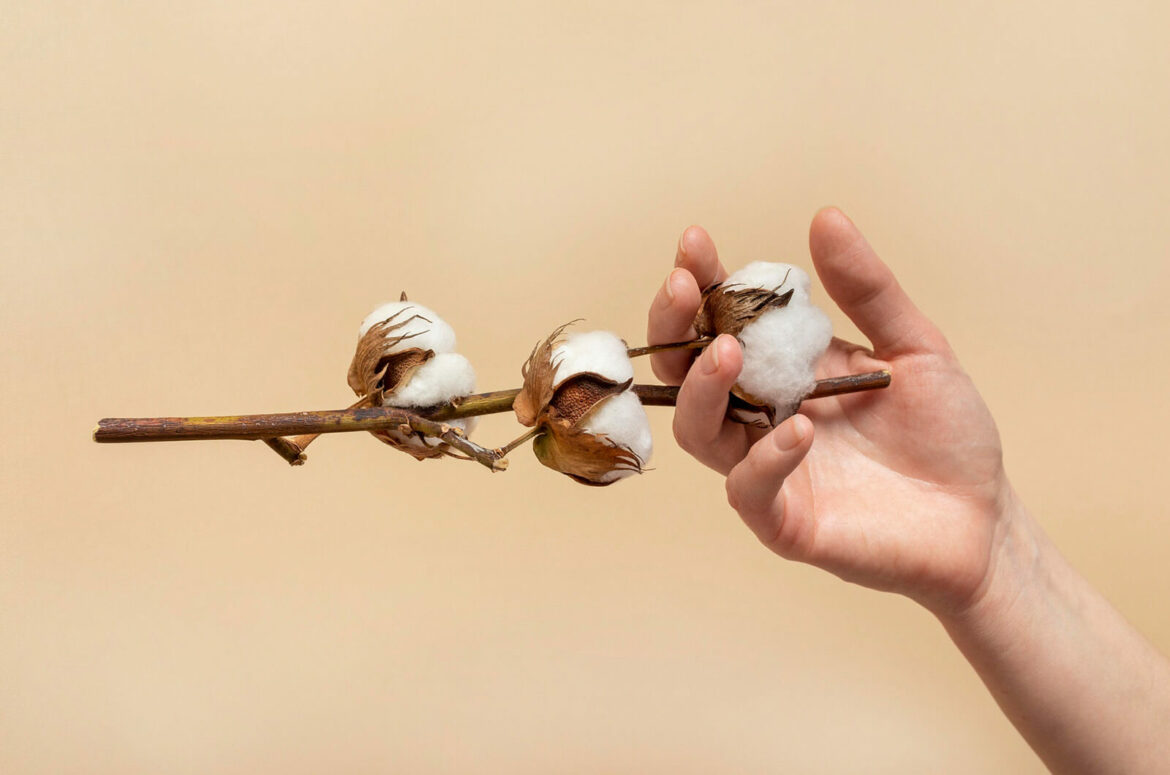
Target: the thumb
pixel 866 290
pixel 755 486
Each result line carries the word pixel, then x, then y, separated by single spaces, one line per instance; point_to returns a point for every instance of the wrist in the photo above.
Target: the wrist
pixel 1020 564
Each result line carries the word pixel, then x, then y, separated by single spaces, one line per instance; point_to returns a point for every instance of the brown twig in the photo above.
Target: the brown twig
pixel 268 426
pixel 249 426
pixel 667 395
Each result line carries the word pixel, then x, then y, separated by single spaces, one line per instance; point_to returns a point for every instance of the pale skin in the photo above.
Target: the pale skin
pixel 904 490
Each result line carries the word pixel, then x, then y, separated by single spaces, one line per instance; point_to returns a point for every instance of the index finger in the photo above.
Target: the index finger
pixel 696 253
pixel 673 311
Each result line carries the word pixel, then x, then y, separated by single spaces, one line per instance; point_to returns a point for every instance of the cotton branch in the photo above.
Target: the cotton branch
pixel 270 427
pixel 304 425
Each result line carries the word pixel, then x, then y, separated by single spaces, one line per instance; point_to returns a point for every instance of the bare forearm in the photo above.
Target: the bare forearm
pixel 1086 690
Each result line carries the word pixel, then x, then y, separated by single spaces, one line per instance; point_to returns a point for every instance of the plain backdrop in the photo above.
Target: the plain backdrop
pixel 200 201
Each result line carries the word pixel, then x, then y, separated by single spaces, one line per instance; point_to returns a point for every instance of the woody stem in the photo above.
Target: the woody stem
pixel 268 426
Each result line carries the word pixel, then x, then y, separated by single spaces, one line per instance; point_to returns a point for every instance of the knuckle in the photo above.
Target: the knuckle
pixel 734 499
pixel 739 498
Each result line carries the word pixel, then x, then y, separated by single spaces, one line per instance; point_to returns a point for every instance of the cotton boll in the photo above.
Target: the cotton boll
pixel 588 427
pixel 781 350
pixel 430 332
pixel 783 336
pixel 437 381
pixel 623 420
pixel 599 352
pixel 772 276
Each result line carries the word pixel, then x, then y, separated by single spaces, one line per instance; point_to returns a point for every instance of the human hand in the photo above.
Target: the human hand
pixel 903 489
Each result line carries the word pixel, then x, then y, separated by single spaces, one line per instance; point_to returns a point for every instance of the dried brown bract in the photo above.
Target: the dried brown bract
pixel 585 457
pixel 728 309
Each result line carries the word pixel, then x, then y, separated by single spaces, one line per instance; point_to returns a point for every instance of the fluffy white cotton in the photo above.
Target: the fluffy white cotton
pixel 600 352
pixel 430 331
pixel 623 419
pixel 773 276
pixel 437 381
pixel 782 347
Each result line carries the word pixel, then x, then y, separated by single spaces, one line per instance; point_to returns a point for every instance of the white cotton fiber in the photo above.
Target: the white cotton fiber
pixel 437 381
pixel 599 352
pixel 623 420
pixel 782 347
pixel 430 331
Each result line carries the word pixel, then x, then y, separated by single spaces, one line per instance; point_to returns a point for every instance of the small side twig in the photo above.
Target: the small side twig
pixel 291 449
pixel 514 443
pixel 456 440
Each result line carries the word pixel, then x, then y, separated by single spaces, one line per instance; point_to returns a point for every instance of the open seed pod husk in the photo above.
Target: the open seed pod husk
pixel 561 405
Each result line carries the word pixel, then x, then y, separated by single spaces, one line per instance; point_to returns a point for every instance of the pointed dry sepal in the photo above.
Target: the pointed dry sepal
pixel 539 373
pixel 585 457
pixel 381 365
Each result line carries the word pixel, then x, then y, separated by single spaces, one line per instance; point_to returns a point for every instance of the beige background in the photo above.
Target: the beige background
pixel 199 202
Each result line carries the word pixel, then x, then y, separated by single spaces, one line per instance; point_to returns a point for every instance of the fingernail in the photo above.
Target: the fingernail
pixel 789 435
pixel 710 358
pixel 681 254
pixel 670 280
pixel 666 298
